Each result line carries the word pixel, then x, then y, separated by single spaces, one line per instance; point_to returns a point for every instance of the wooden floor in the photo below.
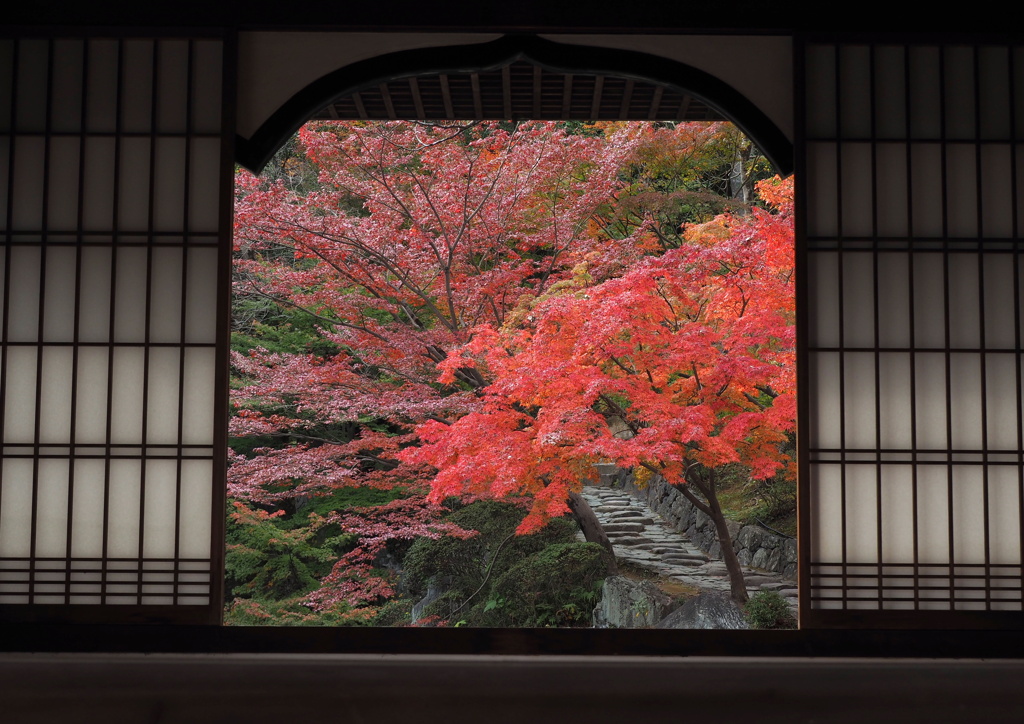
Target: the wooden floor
pixel 224 688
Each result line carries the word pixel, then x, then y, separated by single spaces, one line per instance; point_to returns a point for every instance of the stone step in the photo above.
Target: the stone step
pixel 687 558
pixel 631 513
pixel 682 563
pixel 627 540
pixel 622 527
pixel 654 547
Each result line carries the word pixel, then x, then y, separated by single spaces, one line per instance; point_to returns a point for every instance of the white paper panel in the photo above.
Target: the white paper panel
pixel 162 396
pixel 891 197
pixel 160 508
pixel 897 514
pixel 932 514
pixel 29 170
pixel 5 169
pixel 855 91
pixel 169 214
pixel 824 389
pixel 55 395
pixel 94 299
pixel 123 531
pixel 172 98
pixel 890 92
pixel 31 102
pixel 206 86
pixel 24 295
pixel 895 401
pixel 196 502
pixel 859 397
pixel 7 48
pixel 965 403
pixel 893 300
pixel 823 302
pixel 204 182
pixel 128 395
pixel 960 92
pixel 1001 401
pixel 201 298
pixel 87 515
pixel 821 85
pixel 961 191
pixel 826 506
pixel 134 184
pixel 861 514
pixel 994 103
pixel 998 293
pixel 198 407
pixel 929 301
pixel 997 188
pixel 925 117
pixel 858 299
pixel 822 213
pixel 101 98
pixel 98 183
pixel 926 190
pixel 137 106
pixel 1004 505
pixel 52 509
pixel 20 389
pixel 964 302
pixel 968 514
pixel 62 193
pixel 59 315
pixel 16 507
pixel 857 177
pixel 930 395
pixel 130 295
pixel 165 297
pixel 91 395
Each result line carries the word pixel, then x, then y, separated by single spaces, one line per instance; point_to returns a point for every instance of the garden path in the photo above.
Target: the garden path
pixel 642 539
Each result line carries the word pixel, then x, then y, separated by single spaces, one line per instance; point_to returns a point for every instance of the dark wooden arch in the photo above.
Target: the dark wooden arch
pixel 693 93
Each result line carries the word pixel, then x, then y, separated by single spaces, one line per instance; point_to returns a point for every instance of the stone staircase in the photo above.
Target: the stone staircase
pixel 642 539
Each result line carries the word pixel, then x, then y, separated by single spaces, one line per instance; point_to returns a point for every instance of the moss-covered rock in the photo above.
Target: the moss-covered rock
pixel 557 586
pixel 498 578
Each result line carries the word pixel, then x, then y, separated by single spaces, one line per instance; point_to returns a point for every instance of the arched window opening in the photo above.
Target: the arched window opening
pixel 443 329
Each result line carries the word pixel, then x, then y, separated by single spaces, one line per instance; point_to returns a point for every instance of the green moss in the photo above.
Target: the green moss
pixel 769 610
pixel 498 578
pixel 557 586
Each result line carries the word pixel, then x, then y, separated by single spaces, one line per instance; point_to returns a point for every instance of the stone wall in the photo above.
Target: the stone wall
pixel 755 546
pixel 626 603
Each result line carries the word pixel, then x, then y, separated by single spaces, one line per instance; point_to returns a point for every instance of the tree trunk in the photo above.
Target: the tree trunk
pixel 591 527
pixel 737 586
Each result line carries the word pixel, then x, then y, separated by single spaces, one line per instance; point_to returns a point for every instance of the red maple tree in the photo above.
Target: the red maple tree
pixel 411 236
pixel 680 366
pixel 496 300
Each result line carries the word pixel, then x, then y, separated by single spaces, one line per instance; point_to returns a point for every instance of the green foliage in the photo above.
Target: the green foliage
pixel 769 610
pixel 774 500
pixel 266 562
pixel 291 612
pixel 559 586
pixel 395 612
pixel 498 578
pixel 260 323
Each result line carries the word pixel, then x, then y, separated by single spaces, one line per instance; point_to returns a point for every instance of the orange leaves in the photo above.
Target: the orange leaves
pixel 778 192
pixel 686 358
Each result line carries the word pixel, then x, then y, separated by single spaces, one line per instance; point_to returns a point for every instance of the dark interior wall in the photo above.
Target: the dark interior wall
pixel 900 691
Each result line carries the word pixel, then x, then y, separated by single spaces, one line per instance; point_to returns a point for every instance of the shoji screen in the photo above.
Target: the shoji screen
pixel 912 203
pixel 112 166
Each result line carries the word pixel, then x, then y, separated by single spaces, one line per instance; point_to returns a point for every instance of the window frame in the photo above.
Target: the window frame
pixel 153 636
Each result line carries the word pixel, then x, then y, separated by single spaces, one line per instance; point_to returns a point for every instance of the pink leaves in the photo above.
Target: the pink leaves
pixel 678 355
